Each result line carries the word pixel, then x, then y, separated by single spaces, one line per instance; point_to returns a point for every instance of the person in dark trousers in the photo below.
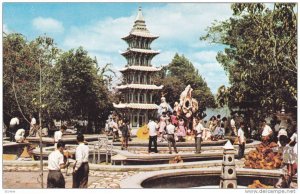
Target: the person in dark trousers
pixel 56 162
pixel 198 136
pixel 153 128
pixel 124 127
pixel 242 140
pixel 81 167
pixel 170 137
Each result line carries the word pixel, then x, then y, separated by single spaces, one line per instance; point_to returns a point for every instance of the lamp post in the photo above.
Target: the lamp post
pixel 40 128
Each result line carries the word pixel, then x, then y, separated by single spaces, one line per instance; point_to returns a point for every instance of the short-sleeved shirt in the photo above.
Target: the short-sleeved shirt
pixel 14 121
pixel 170 129
pixel 20 133
pixel 266 131
pixel 232 123
pixel 152 126
pixel 199 129
pixel 54 160
pixel 33 121
pixel 82 154
pixel 241 135
pixel 57 136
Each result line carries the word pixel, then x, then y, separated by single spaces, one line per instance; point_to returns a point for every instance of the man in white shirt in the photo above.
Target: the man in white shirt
pixel 58 134
pixel 19 137
pixel 13 126
pixel 242 140
pixel 115 129
pixel 233 127
pixel 266 132
pixel 81 167
pixel 198 136
pixel 153 128
pixel 56 162
pixel 170 136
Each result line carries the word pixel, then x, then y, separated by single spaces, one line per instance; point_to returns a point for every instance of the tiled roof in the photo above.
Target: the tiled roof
pixel 140 51
pixel 145 34
pixel 140 86
pixel 137 106
pixel 141 68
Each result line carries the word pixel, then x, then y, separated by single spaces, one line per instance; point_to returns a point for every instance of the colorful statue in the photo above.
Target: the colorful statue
pixel 187 105
pixel 164 106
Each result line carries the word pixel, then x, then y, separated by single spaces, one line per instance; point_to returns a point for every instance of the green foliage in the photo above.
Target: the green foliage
pixel 180 73
pixel 72 84
pixel 261 55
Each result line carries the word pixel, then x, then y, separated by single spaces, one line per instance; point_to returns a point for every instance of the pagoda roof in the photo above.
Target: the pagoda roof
pixel 140 86
pixel 146 51
pixel 139 33
pixel 136 106
pixel 141 68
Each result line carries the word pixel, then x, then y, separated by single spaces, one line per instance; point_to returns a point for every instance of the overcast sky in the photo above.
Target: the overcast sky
pixel 99 27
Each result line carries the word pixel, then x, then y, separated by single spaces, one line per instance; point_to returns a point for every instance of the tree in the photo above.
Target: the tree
pixel 260 55
pixel 82 91
pixel 21 73
pixel 180 73
pixel 72 85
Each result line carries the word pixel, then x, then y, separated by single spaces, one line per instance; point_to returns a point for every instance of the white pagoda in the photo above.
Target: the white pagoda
pixel 137 88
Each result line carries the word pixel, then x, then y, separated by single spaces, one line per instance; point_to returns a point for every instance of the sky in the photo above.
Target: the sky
pixel 99 27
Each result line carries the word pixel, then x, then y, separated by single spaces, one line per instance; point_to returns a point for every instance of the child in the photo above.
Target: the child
pixel 287 155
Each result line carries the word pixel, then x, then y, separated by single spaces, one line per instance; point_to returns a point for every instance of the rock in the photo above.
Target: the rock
pixel 114 186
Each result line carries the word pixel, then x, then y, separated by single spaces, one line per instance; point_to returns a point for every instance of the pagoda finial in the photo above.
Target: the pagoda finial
pixel 140 16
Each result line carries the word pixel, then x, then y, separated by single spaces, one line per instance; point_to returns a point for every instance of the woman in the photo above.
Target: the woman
pixel 162 125
pixel 181 130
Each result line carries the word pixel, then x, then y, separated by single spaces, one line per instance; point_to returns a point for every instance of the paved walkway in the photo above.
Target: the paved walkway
pixel 27 178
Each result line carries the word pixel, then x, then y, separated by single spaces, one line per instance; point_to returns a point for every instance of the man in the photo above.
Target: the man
pixel 58 134
pixel 170 136
pixel 110 126
pixel 19 137
pixel 81 167
pixel 153 127
pixel 13 126
pixel 115 128
pixel 124 127
pixel 233 127
pixel 56 162
pixel 266 132
pixel 242 140
pixel 198 136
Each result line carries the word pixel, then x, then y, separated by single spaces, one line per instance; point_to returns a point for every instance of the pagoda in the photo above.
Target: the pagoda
pixel 138 88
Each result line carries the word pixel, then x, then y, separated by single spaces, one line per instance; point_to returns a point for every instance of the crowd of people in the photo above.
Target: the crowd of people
pixel 171 128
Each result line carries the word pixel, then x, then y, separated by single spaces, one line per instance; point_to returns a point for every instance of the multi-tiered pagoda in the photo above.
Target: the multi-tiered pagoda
pixel 137 88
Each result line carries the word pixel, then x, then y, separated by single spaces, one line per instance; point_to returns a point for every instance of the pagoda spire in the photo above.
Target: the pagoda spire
pixel 139 23
pixel 140 16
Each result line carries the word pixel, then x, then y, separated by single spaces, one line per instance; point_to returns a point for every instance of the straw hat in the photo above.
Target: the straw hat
pixel 143 132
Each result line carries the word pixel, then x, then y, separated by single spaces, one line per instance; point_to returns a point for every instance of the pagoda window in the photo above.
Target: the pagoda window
pixel 148 79
pixel 131 97
pixel 141 120
pixel 142 98
pixel 135 121
pixel 136 98
pixel 151 100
